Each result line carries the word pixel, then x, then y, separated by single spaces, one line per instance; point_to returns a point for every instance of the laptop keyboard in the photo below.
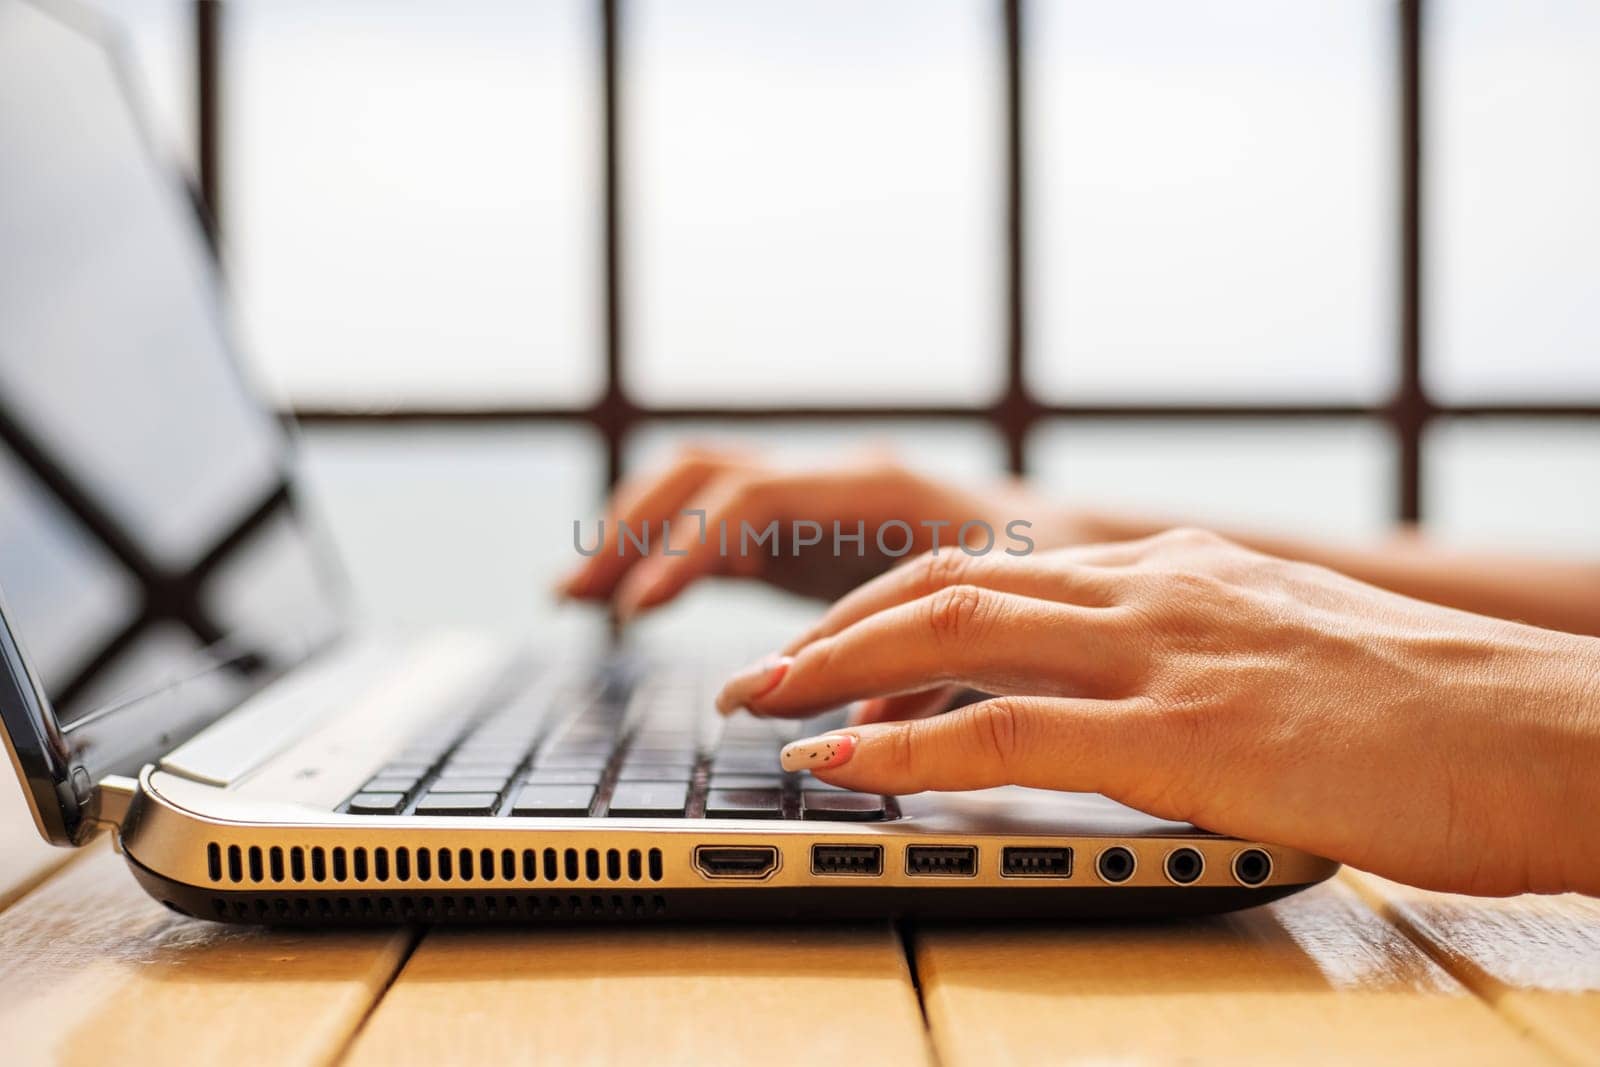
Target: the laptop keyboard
pixel 625 744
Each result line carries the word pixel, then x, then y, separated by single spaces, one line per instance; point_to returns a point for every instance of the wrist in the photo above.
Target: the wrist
pixel 1559 769
pixel 1579 793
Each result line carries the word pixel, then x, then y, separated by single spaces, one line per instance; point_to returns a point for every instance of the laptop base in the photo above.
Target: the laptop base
pixel 303 908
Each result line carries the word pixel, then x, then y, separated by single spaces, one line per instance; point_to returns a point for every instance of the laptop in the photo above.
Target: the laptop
pixel 178 667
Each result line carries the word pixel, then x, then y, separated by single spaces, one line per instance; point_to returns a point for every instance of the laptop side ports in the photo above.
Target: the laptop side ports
pixel 750 862
pixel 1184 866
pixel 863 860
pixel 1036 862
pixel 1115 865
pixel 942 861
pixel 1252 867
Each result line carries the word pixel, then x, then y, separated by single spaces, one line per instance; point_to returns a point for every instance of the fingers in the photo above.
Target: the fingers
pixel 737 499
pixel 640 504
pixel 918 705
pixel 1064 577
pixel 1053 743
pixel 997 642
pixel 726 501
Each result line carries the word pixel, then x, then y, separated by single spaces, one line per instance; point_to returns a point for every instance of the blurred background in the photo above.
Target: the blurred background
pixel 1321 265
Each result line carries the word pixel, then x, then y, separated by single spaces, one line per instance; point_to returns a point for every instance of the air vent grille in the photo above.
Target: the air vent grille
pixel 314 865
pixel 451 907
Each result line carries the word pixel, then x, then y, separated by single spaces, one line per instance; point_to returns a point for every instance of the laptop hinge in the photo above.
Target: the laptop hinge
pixel 110 803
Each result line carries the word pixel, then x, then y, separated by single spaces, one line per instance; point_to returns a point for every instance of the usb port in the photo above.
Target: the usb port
pixel 847 859
pixel 1036 862
pixel 951 861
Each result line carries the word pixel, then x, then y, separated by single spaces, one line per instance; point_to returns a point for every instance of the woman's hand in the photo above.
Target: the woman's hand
pixel 735 487
pixel 1200 681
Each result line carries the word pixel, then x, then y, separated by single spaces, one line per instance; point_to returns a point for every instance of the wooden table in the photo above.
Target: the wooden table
pixel 1357 970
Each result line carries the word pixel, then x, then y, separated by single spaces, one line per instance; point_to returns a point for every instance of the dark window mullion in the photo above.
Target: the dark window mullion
pixel 1014 415
pixel 614 417
pixel 1411 410
pixel 207 114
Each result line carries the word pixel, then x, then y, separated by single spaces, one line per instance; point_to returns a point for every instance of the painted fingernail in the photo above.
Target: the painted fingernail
pixel 752 683
pixel 817 753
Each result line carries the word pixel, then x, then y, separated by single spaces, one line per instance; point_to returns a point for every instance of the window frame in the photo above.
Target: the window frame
pixel 614 414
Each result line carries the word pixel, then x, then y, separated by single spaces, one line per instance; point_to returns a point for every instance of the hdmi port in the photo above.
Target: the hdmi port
pixel 736 861
pixel 949 861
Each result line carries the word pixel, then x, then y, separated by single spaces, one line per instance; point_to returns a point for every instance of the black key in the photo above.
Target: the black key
pixel 377 803
pixel 656 772
pixel 475 769
pixel 458 804
pixel 649 799
pixel 404 770
pixel 553 800
pixel 634 755
pixel 840 806
pixel 386 784
pixel 747 781
pixel 763 762
pixel 753 747
pixel 672 728
pixel 744 804
pixel 663 737
pixel 818 785
pixel 588 730
pixel 566 776
pixel 571 759
pixel 663 753
pixel 487 784
pixel 767 743
pixel 600 746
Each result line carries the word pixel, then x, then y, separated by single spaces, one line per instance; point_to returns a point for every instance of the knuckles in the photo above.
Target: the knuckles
pixel 997 726
pixel 937 572
pixel 958 613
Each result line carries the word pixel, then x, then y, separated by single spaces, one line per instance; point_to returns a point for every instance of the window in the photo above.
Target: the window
pixel 1210 197
pixel 1513 229
pixel 812 200
pixel 392 240
pixel 1321 477
pixel 1324 263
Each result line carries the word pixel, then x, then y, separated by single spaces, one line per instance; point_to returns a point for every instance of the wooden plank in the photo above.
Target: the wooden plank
pixel 25 858
pixel 92 969
pixel 1318 977
pixel 682 995
pixel 1535 959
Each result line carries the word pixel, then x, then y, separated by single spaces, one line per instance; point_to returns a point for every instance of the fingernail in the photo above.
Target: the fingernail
pixel 816 753
pixel 752 683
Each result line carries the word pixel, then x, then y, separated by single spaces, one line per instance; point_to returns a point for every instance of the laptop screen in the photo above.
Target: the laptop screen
pixel 148 533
